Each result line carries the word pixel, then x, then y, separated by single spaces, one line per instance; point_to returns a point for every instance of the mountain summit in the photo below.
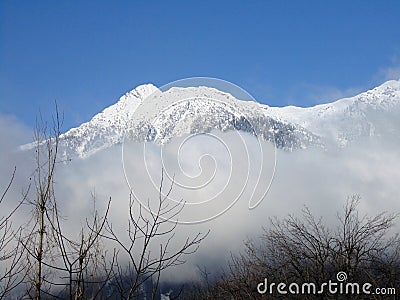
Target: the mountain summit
pixel 148 114
pixel 372 113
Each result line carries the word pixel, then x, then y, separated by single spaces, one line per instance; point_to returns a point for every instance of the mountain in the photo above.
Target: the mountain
pixel 373 113
pixel 148 114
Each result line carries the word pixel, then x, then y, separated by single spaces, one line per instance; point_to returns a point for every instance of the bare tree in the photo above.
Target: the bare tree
pixel 60 266
pixel 298 250
pixel 147 228
pixel 82 270
pixel 65 267
pixel 10 250
pixel 39 241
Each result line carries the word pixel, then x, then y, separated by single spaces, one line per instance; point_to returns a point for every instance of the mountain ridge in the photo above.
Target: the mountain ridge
pixel 148 114
pixel 357 110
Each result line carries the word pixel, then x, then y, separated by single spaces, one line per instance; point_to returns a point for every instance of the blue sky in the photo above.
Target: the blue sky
pixel 86 54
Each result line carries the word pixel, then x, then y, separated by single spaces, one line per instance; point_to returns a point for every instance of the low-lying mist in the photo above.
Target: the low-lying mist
pixel 218 176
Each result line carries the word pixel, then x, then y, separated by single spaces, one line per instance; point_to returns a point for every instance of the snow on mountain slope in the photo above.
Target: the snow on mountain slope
pixel 371 113
pixel 106 128
pixel 180 111
pixel 160 117
pixel 148 114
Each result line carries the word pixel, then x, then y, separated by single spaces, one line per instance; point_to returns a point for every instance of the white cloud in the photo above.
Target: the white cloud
pixel 390 73
pixel 318 94
pixel 318 179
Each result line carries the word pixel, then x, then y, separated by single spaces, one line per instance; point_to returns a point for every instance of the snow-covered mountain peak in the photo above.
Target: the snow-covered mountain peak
pixel 148 114
pixel 140 92
pixel 381 97
pixel 391 84
pixel 200 91
pixel 346 119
